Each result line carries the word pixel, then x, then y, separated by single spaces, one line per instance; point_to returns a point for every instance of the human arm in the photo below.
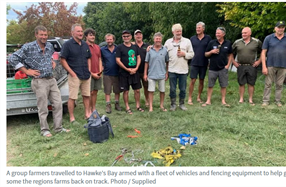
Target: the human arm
pixel 146 66
pixel 230 59
pixel 67 67
pixel 263 60
pixel 167 75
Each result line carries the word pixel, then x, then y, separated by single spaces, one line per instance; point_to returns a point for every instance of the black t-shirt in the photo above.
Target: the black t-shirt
pixel 219 61
pixel 142 53
pixel 128 56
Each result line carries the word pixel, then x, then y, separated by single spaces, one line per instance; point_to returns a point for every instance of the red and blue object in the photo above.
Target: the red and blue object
pixel 185 139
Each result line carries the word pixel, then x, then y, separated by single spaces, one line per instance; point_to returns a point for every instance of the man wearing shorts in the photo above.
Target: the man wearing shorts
pixel 110 72
pixel 75 58
pixel 128 59
pixel 219 51
pixel 199 63
pixel 96 67
pixel 245 51
pixel 157 67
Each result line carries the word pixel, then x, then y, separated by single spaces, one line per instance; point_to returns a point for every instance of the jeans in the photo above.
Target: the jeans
pixel 173 78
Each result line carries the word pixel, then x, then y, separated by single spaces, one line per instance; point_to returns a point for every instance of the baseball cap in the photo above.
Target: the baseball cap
pixel 280 23
pixel 126 32
pixel 137 31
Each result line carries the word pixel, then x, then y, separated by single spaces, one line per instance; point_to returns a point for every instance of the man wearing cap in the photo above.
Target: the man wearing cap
pixel 219 51
pixel 274 48
pixel 142 46
pixel 180 50
pixel 128 59
pixel 246 51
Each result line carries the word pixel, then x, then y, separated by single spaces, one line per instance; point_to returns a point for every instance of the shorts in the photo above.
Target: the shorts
pixel 75 84
pixel 95 84
pixel 222 76
pixel 144 83
pixel 152 85
pixel 125 81
pixel 198 70
pixel 246 74
pixel 110 82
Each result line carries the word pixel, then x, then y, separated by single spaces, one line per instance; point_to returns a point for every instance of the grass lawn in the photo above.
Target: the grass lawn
pixel 242 135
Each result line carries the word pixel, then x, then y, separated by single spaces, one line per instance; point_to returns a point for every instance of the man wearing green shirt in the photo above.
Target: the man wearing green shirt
pixel 245 51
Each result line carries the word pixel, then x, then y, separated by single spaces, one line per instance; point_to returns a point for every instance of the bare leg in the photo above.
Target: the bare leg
pixel 151 95
pixel 209 95
pixel 93 97
pixel 86 103
pixel 162 97
pixel 137 97
pixel 71 109
pixel 191 89
pixel 250 93
pixel 223 94
pixel 107 98
pixel 201 87
pixel 241 93
pixel 125 99
pixel 116 97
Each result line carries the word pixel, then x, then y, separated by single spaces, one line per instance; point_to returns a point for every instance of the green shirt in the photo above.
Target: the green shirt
pixel 246 53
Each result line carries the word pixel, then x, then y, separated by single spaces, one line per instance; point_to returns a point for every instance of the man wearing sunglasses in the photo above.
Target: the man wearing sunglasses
pixel 219 51
pixel 128 59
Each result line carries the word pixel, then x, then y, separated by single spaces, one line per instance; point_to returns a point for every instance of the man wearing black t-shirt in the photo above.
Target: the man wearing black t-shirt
pixel 219 51
pixel 128 59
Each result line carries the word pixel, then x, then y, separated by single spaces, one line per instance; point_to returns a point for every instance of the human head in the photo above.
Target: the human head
pixel 41 34
pixel 200 28
pixel 126 36
pixel 89 35
pixel 138 36
pixel 109 39
pixel 220 33
pixel 158 38
pixel 77 32
pixel 280 28
pixel 246 33
pixel 177 31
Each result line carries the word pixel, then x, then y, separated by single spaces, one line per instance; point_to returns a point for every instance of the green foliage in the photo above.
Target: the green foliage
pixel 259 16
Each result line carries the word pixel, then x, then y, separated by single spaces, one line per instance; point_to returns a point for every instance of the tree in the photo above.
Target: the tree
pixel 259 16
pixel 55 16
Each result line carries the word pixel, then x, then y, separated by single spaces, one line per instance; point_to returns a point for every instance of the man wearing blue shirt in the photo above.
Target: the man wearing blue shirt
pixel 274 48
pixel 199 63
pixel 75 58
pixel 110 72
pixel 35 60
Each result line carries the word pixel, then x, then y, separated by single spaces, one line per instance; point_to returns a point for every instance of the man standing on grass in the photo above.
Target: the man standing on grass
pixel 110 72
pixel 128 59
pixel 142 46
pixel 199 63
pixel 246 51
pixel 274 48
pixel 75 58
pixel 180 50
pixel 35 60
pixel 96 67
pixel 219 51
pixel 157 67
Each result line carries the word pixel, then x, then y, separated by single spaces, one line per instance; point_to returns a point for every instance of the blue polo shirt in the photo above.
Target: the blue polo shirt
pixel 157 63
pixel 200 47
pixel 76 56
pixel 111 68
pixel 276 51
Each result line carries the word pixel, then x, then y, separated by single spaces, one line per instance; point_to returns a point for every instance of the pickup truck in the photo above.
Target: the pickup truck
pixel 20 97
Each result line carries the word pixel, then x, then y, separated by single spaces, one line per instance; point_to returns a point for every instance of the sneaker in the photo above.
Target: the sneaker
pixel 108 108
pixel 265 104
pixel 117 107
pixel 279 104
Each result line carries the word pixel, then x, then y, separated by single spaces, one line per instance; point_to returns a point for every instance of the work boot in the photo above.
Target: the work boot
pixel 117 106
pixel 173 104
pixel 108 108
pixel 182 106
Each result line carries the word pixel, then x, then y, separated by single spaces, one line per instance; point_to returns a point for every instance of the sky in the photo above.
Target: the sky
pixel 22 6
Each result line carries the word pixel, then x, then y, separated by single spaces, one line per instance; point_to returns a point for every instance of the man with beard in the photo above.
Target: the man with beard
pixel 110 72
pixel 180 50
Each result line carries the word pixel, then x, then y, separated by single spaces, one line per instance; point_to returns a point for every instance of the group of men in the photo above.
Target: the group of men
pixel 137 63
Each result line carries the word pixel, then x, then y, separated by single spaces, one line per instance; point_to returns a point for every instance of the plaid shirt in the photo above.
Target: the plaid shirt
pixel 32 57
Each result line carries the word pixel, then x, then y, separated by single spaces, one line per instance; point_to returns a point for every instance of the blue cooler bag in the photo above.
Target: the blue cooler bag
pixel 98 128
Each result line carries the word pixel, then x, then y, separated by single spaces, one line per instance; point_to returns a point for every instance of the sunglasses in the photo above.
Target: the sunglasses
pixel 126 36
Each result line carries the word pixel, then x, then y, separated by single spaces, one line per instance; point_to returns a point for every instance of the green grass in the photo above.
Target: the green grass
pixel 241 135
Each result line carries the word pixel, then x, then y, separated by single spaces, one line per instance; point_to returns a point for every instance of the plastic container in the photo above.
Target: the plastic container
pixel 18 85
